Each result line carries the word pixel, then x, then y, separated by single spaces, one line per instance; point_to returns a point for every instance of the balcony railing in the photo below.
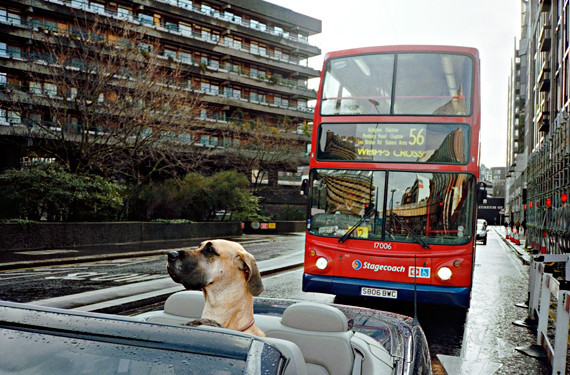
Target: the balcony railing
pixel 85 5
pixel 214 91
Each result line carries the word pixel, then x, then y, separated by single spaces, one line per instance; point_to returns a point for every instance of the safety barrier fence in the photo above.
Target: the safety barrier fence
pixel 546 209
pixel 544 288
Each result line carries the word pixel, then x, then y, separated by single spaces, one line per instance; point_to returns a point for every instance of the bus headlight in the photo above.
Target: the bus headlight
pixel 444 273
pixel 321 263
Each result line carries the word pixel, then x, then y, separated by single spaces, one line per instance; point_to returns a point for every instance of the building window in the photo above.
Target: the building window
pixel 14 118
pixel 10 17
pixel 185 29
pixel 253 97
pixel 97 7
pixel 3 118
pixel 206 34
pixel 34 119
pixel 254 48
pixel 185 4
pixel 170 53
pixel 171 26
pixel 81 4
pixel 14 52
pixel 146 19
pixel 186 57
pixel 215 63
pixel 125 13
pixel 35 88
pixel 234 42
pixel 215 37
pixel 50 89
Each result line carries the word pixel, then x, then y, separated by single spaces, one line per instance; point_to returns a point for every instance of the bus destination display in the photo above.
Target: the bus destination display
pixel 381 142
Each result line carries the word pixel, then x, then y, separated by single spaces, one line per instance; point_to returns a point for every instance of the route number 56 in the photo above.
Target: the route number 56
pixel 417 136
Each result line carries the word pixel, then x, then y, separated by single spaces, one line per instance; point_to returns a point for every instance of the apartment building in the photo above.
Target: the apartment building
pixel 248 60
pixel 515 182
pixel 538 169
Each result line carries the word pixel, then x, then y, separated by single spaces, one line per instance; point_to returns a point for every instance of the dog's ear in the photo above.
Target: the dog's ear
pixel 246 262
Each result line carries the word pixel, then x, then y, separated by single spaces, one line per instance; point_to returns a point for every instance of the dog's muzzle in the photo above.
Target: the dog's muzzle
pixel 173 257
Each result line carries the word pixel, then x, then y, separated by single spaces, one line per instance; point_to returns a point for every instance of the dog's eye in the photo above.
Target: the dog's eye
pixel 209 251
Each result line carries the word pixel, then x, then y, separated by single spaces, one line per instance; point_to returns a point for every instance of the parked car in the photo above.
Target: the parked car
pixel 481 231
pixel 302 338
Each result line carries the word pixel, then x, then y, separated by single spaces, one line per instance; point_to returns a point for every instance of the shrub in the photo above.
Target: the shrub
pixel 225 195
pixel 290 213
pixel 48 192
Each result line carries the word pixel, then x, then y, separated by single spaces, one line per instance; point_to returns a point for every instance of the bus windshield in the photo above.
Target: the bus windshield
pixel 404 83
pixel 399 206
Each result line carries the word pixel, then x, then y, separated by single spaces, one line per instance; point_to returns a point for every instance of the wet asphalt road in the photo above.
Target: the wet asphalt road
pixel 481 340
pixel 478 341
pixel 38 283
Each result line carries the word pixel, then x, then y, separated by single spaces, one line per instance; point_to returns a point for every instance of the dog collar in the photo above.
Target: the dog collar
pixel 248 326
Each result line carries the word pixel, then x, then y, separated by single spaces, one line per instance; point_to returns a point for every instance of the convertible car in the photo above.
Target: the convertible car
pixel 302 338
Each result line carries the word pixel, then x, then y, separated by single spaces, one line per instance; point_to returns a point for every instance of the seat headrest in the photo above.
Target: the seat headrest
pixel 316 317
pixel 189 303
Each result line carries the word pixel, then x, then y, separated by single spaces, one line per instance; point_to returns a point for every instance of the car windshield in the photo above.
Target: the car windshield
pixel 405 83
pixel 430 208
pixel 33 353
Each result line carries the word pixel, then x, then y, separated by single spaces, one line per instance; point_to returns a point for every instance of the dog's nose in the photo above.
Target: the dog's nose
pixel 173 255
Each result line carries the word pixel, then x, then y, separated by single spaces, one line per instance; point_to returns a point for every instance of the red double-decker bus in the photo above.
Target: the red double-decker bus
pixel 393 175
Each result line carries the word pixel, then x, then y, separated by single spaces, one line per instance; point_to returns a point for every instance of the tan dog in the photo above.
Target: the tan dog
pixel 227 275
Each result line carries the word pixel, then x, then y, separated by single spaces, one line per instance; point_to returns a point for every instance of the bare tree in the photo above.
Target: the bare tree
pixel 265 147
pixel 101 96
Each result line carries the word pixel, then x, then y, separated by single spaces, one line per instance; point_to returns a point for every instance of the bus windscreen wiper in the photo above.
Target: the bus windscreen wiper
pixel 369 211
pixel 410 231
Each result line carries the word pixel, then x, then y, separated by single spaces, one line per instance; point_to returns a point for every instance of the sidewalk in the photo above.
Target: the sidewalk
pixel 523 253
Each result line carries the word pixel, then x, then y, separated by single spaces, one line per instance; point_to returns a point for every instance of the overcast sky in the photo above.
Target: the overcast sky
pixel 488 25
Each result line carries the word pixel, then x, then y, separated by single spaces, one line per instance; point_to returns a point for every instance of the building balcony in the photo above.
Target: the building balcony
pixel 543 121
pixel 544 39
pixel 173 34
pixel 258 105
pixel 544 5
pixel 544 78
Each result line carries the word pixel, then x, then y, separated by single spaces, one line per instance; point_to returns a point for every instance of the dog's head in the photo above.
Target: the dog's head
pixel 215 263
